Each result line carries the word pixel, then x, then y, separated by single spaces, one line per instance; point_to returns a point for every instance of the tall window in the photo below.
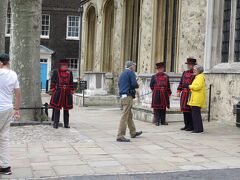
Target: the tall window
pixel 73 66
pixel 166 32
pixel 73 23
pixel 108 36
pixel 8 24
pixel 90 38
pixel 226 30
pixel 45 26
pixel 131 31
pixel 237 35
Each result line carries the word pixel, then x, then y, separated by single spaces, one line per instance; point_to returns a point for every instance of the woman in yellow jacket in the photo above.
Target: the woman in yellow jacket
pixel 198 98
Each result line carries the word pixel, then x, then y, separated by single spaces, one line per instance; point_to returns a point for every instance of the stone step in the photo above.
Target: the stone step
pixel 146 114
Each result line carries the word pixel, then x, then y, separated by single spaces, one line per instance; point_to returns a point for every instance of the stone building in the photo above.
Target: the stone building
pixel 145 31
pixel 222 56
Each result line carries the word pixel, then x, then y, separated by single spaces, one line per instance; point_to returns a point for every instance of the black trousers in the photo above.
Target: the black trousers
pixel 188 120
pixel 160 115
pixel 197 119
pixel 56 117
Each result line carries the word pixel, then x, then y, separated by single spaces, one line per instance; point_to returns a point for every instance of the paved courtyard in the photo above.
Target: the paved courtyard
pixel 89 148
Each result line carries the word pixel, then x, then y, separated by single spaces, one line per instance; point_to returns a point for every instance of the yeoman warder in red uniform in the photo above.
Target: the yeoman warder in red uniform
pixel 161 91
pixel 62 93
pixel 184 91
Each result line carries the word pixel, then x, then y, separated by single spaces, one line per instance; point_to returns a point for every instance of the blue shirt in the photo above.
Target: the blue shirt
pixel 127 82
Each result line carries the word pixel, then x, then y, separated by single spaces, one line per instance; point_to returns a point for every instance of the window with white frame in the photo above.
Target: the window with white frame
pixel 45 26
pixel 73 66
pixel 43 60
pixel 8 24
pixel 73 23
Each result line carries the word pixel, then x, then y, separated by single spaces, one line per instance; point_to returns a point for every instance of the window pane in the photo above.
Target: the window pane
pixel 45 25
pixel 73 27
pixel 237 37
pixel 226 30
pixel 73 66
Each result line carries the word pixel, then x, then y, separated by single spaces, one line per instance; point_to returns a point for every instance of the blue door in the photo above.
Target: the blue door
pixel 43 75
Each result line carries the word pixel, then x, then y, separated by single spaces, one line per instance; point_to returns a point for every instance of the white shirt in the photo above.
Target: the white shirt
pixel 8 83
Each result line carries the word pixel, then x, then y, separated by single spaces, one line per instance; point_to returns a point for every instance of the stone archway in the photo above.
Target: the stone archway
pixel 107 65
pixel 91 38
pixel 131 31
pixel 165 33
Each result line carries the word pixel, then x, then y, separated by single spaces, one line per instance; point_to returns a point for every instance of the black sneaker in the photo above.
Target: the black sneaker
pixel 184 128
pixel 136 134
pixel 5 171
pixel 67 127
pixel 123 139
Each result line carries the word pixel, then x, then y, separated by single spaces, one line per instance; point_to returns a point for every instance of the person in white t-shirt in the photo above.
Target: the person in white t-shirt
pixel 8 86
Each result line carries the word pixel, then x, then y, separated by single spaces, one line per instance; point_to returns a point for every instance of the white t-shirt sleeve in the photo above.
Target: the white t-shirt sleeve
pixel 16 84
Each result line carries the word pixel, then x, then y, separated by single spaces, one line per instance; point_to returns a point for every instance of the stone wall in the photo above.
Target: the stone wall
pixel 192 28
pixel 225 93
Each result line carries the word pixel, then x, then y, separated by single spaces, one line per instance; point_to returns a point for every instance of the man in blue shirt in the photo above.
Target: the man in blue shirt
pixel 127 85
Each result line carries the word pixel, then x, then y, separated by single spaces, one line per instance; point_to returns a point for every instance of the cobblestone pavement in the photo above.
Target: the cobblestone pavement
pixel 89 148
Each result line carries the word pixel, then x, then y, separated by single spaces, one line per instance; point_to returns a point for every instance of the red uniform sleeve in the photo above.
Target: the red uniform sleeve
pixel 180 86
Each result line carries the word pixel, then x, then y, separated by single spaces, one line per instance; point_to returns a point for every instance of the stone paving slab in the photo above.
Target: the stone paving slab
pixel 90 148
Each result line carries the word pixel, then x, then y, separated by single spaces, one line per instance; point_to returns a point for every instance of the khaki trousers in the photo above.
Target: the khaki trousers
pixel 5 118
pixel 127 117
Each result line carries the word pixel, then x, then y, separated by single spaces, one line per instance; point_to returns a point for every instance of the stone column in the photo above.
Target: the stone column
pixel 208 38
pixel 191 36
pixel 146 37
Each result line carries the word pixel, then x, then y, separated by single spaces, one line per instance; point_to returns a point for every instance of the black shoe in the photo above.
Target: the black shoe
pixel 55 126
pixel 136 134
pixel 67 126
pixel 184 128
pixel 164 123
pixel 157 124
pixel 5 171
pixel 189 129
pixel 123 139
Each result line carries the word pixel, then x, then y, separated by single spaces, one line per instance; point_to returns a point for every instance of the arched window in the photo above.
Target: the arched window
pixel 166 21
pixel 90 38
pixel 108 36
pixel 132 25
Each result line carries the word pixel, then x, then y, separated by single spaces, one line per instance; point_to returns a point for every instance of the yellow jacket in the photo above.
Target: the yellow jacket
pixel 198 92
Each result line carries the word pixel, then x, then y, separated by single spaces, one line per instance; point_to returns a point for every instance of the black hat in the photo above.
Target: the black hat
pixel 160 64
pixel 4 57
pixel 64 62
pixel 191 60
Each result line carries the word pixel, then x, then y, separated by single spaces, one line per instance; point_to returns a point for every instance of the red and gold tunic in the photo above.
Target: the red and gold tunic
pixel 62 90
pixel 161 91
pixel 187 78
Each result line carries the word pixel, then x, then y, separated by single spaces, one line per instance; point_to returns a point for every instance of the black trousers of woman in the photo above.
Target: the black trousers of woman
pixel 160 116
pixel 56 117
pixel 197 119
